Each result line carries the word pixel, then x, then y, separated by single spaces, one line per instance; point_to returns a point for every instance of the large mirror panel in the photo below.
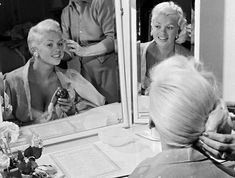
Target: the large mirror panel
pixel 14 53
pixel 148 43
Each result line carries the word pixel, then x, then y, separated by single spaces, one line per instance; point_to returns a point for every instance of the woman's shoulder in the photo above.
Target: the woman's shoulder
pixel 17 73
pixel 180 49
pixel 145 44
pixel 142 47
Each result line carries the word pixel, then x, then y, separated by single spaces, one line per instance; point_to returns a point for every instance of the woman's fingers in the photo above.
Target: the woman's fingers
pixel 54 98
pixel 65 108
pixel 65 104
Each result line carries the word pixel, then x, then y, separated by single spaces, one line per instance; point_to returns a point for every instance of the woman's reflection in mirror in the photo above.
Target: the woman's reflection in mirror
pixel 168 29
pixel 90 27
pixel 32 88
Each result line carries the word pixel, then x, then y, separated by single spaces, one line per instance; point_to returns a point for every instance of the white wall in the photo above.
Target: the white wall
pixel 212 35
pixel 229 51
pixel 217 48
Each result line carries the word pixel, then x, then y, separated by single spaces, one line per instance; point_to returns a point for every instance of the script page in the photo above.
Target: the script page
pixel 84 162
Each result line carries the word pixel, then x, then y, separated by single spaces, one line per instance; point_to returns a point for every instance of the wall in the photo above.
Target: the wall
pixel 212 36
pixel 14 12
pixel 5 16
pixel 217 36
pixel 229 51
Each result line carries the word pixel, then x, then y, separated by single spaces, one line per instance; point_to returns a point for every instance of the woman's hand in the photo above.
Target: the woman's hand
pixel 221 146
pixel 74 47
pixel 66 105
pixel 59 105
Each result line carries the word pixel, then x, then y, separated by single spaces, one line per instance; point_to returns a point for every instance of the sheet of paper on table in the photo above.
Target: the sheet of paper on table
pixel 84 162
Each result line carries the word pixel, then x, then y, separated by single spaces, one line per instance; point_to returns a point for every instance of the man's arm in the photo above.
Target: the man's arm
pixel 105 12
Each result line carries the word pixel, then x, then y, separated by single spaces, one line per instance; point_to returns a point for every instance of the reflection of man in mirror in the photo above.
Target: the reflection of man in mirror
pixel 90 26
pixel 168 28
pixel 32 89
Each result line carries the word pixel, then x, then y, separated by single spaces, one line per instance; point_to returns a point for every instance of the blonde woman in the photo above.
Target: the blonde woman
pixel 32 88
pixel 182 96
pixel 168 29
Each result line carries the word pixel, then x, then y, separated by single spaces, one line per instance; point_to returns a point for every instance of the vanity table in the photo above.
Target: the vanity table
pixel 92 144
pixel 94 156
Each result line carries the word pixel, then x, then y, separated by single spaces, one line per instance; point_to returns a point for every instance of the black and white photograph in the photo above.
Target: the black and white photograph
pixel 117 89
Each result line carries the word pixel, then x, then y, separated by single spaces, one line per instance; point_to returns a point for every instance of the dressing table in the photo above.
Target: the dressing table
pixel 92 144
pixel 94 156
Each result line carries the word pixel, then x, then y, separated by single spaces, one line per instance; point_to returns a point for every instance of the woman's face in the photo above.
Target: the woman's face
pixel 164 29
pixel 51 48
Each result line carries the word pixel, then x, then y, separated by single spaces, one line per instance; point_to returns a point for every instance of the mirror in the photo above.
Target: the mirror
pixel 142 50
pixel 1 96
pixel 20 14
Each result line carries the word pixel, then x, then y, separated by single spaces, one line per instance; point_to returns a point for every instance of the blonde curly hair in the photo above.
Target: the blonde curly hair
pixel 172 8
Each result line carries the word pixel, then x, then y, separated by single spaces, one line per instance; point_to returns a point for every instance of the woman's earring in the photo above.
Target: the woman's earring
pixel 177 36
pixel 35 54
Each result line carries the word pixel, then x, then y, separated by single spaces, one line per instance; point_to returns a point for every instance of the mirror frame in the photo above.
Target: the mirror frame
pixel 124 74
pixel 144 117
pixel 1 95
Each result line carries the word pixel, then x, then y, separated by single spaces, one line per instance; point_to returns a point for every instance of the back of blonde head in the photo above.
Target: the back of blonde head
pixel 181 97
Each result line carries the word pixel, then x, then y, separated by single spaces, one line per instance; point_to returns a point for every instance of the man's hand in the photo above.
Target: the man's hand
pixel 74 47
pixel 221 146
pixel 218 119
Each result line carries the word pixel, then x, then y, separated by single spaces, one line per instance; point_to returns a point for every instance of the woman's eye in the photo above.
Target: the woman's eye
pixel 157 26
pixel 60 44
pixel 50 45
pixel 170 27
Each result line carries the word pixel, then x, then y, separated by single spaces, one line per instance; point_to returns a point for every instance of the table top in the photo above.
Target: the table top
pixel 98 157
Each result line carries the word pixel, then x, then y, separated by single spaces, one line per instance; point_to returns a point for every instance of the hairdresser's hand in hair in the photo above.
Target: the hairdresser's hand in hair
pixel 74 47
pixel 218 120
pixel 221 146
